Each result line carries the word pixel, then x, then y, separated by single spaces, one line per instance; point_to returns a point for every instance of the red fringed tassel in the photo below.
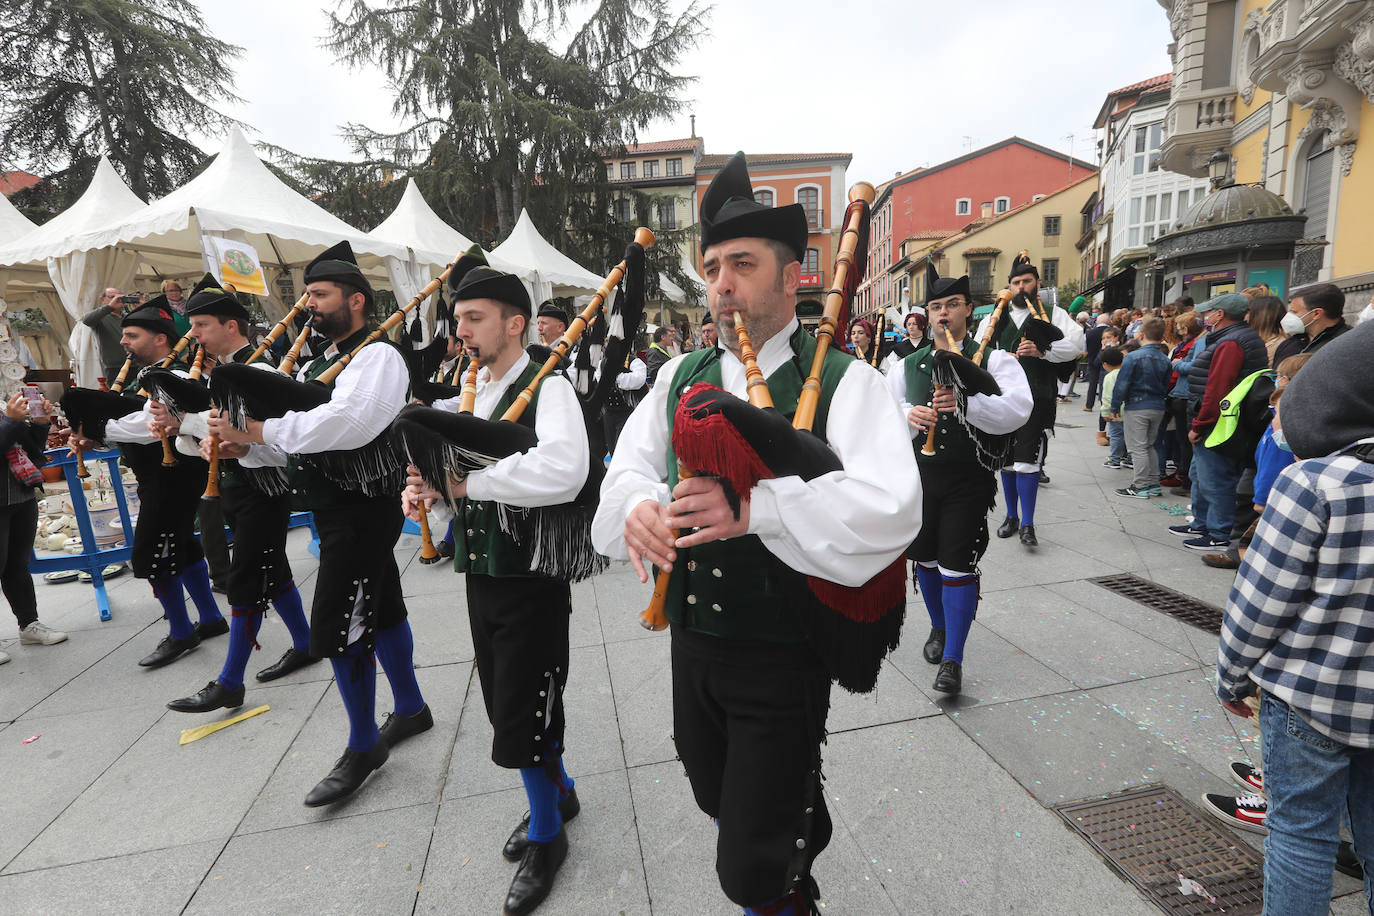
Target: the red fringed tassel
pixel 868 603
pixel 709 444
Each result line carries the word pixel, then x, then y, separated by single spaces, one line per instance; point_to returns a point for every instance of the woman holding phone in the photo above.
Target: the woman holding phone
pixel 23 433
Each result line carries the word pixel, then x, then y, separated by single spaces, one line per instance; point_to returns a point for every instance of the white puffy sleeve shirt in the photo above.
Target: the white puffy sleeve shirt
pixel 845 526
pixel 556 468
pixel 996 414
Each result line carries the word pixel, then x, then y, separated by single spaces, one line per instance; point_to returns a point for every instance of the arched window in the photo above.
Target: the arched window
pixel 1318 162
pixel 764 197
pixel 810 199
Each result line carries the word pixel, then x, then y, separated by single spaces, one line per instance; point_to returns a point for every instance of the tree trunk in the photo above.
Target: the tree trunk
pixel 133 156
pixel 505 219
pixel 102 106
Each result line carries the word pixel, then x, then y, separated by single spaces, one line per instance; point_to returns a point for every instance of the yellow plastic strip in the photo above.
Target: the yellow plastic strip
pixel 200 731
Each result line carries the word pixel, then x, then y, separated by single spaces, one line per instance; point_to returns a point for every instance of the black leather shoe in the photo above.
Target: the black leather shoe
pixel 934 649
pixel 1044 478
pixel 213 696
pixel 568 808
pixel 169 650
pixel 534 877
pixel 1008 527
pixel 445 549
pixel 291 660
pixel 1347 863
pixel 397 728
pixel 1028 536
pixel 206 630
pixel 950 677
pixel 348 775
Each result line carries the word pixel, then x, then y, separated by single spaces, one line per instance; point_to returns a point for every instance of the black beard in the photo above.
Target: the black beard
pixel 331 326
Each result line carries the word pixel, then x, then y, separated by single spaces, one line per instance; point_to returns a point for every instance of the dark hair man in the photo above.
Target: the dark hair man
pixel 1315 318
pixel 736 640
pixel 658 353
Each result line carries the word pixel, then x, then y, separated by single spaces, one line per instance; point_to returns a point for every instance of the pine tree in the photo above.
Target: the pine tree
pixel 501 114
pixel 123 78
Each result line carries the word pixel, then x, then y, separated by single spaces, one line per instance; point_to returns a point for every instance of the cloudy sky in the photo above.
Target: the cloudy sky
pixel 897 83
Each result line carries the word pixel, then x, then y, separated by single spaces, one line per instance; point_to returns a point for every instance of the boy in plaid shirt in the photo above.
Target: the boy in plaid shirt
pixel 1300 626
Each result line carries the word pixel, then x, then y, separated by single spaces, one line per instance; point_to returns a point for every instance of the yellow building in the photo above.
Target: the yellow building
pixel 1280 89
pixel 1047 228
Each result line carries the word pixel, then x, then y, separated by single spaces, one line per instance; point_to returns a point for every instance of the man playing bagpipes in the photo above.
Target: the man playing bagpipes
pixel 337 467
pixel 961 402
pixel 256 506
pixel 1042 337
pixel 751 685
pixel 519 616
pixel 165 548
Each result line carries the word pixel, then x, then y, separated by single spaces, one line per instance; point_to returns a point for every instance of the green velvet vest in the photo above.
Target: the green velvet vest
pixel 952 439
pixel 479 544
pixel 735 589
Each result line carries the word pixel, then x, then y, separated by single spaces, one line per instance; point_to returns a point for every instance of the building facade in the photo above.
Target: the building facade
pixel 946 199
pixel 665 172
pixel 1137 199
pixel 1280 89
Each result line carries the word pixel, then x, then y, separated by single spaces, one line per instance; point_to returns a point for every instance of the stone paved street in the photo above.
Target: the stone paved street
pixel 941 806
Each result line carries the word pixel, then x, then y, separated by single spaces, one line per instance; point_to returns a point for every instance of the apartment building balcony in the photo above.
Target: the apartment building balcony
pixel 1198 124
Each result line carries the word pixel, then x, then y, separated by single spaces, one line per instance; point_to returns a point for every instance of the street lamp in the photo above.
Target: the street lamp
pixel 1219 168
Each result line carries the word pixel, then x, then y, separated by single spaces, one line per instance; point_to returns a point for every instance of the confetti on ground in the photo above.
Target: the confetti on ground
pixel 200 731
pixel 30 739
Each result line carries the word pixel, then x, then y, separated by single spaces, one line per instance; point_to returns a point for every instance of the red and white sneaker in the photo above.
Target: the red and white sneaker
pixel 1246 811
pixel 1250 777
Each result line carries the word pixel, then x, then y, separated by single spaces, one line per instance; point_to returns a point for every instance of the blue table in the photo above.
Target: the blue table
pixel 92 558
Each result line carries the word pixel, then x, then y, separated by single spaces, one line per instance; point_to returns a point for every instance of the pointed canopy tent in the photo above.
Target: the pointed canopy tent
pixel 66 289
pixel 555 273
pixel 432 244
pixel 13 224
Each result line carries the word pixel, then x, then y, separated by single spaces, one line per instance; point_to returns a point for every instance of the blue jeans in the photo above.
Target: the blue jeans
pixel 1311 781
pixel 1116 437
pixel 1214 492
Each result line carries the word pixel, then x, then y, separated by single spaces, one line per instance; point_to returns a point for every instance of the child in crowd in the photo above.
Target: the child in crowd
pixel 1111 337
pixel 1111 364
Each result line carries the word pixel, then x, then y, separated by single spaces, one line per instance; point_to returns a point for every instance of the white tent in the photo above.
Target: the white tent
pixel 236 197
pixel 432 244
pixel 555 273
pixel 13 224
pixel 64 281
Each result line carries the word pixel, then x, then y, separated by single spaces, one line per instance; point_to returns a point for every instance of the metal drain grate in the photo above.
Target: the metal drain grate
pixel 1176 604
pixel 1163 845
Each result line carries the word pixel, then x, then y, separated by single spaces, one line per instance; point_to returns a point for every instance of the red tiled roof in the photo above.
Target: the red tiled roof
pixel 1164 79
pixel 10 182
pixel 661 146
pixel 715 161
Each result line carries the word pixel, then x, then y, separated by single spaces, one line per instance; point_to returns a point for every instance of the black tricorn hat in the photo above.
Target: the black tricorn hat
pixel 729 211
pixel 338 264
pixel 155 315
pixel 1021 264
pixel 482 282
pixel 938 287
pixel 209 298
pixel 475 256
pixel 707 319
pixel 550 309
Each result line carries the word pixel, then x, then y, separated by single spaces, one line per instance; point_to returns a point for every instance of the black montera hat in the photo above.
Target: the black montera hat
pixel 938 287
pixel 1021 264
pixel 729 211
pixel 550 309
pixel 484 282
pixel 155 315
pixel 209 298
pixel 338 264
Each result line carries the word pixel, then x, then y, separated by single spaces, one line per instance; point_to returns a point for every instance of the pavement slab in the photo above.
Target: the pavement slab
pixel 154 883
pixel 323 867
pixel 995 670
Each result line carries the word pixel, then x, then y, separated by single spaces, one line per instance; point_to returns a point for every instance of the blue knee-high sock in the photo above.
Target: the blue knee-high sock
pixel 786 905
pixel 1028 485
pixel 356 676
pixel 169 594
pixel 196 579
pixel 961 606
pixel 243 636
pixel 292 613
pixel 928 579
pixel 1009 492
pixel 542 791
pixel 396 651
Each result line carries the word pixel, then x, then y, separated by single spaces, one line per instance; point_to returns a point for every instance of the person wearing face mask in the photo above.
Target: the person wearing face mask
pixel 1314 319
